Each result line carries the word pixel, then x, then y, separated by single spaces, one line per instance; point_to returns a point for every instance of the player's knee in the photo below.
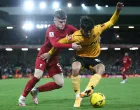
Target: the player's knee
pixel 75 72
pixel 59 80
pixel 38 73
pixel 101 69
pixel 76 66
pixel 60 83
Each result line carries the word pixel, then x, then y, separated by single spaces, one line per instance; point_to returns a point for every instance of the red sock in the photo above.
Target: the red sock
pixel 123 76
pixel 48 87
pixel 31 83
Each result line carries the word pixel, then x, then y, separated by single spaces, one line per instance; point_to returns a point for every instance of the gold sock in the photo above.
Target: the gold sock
pixel 94 80
pixel 76 84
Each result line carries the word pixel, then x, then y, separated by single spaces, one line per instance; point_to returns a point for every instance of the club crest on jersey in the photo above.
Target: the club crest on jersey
pixel 51 34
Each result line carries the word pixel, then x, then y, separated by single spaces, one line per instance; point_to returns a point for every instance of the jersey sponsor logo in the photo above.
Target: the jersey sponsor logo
pixel 51 34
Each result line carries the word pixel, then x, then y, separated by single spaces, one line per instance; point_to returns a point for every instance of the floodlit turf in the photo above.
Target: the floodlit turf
pixel 118 96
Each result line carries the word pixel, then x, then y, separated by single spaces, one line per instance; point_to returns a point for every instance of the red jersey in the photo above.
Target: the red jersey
pixel 53 35
pixel 127 61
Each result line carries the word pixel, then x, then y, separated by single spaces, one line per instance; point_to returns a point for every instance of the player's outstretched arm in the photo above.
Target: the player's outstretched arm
pixel 60 45
pixel 67 39
pixel 113 19
pixel 53 49
pixel 115 16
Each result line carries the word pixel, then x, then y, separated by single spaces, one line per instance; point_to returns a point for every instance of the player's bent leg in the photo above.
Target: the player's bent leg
pixel 76 66
pixel 55 72
pixel 123 76
pixel 34 92
pixel 94 80
pixel 39 65
pixel 31 83
pixel 48 87
pixel 59 79
pixel 59 82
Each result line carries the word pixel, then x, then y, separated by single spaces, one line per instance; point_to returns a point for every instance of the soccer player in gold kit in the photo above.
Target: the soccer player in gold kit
pixel 88 37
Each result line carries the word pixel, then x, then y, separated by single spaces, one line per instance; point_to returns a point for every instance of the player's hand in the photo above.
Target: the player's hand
pixel 76 46
pixel 45 56
pixel 119 6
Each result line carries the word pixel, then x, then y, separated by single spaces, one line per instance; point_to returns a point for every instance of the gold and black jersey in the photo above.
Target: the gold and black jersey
pixel 90 45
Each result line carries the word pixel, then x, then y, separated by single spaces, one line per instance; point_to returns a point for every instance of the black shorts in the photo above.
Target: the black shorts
pixel 87 62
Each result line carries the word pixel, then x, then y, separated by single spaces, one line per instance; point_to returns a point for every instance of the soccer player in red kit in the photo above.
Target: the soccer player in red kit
pixel 126 66
pixel 55 32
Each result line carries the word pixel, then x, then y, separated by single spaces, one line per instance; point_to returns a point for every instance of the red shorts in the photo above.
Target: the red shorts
pixel 124 69
pixel 52 66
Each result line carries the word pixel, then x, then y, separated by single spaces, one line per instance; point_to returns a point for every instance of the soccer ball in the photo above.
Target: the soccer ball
pixel 97 100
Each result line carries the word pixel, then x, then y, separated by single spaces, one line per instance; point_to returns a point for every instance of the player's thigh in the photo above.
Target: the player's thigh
pixel 54 69
pixel 126 70
pixel 123 69
pixel 40 66
pixel 97 65
pixel 76 66
pixel 59 79
pixel 99 68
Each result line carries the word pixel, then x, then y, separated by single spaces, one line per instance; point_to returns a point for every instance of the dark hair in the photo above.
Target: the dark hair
pixel 86 23
pixel 60 14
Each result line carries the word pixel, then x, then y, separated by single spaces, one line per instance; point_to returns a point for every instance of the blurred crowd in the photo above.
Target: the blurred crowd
pixel 19 62
pixel 36 37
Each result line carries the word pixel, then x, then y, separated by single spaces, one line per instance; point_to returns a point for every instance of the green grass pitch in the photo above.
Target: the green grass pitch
pixel 118 96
